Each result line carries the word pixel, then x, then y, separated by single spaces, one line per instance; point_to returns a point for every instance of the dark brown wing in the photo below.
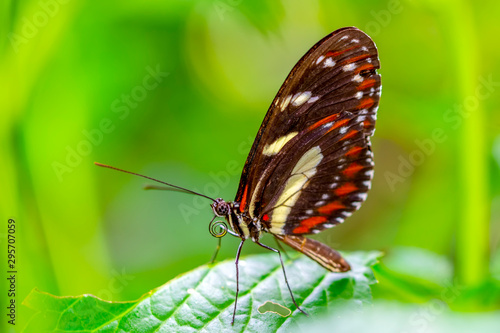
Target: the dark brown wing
pixel 320 179
pixel 326 106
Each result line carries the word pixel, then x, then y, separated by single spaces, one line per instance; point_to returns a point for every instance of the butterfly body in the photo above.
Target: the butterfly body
pixel 242 225
pixel 245 227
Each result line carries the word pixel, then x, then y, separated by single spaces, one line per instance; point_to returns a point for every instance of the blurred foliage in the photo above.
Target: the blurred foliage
pixel 76 85
pixel 392 317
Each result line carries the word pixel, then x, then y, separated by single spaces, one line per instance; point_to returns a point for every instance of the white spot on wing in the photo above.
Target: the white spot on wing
pixel 344 37
pixel 320 59
pixel 358 78
pixel 359 94
pixel 320 203
pixel 343 130
pixel 362 196
pixel 285 102
pixel 355 40
pixel 324 196
pixel 313 99
pixel 301 98
pixel 348 67
pixel 329 62
pixel 364 48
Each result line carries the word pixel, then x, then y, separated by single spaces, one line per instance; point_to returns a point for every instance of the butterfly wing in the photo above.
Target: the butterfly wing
pixel 324 177
pixel 311 164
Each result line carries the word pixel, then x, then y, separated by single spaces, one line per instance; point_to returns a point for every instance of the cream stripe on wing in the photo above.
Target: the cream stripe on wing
pixel 301 173
pixel 275 147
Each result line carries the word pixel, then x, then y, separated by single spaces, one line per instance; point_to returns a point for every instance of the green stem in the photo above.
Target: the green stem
pixel 473 223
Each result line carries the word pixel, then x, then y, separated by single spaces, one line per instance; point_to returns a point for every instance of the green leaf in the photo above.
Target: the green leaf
pixel 203 299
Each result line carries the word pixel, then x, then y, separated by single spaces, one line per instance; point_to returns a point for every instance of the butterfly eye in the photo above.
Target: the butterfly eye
pixel 220 207
pixel 222 210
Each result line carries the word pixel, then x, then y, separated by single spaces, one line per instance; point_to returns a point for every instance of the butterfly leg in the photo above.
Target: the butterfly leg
pixel 284 274
pixel 281 248
pixel 216 251
pixel 237 279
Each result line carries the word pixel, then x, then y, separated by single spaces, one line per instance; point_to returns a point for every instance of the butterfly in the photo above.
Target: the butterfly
pixel 311 164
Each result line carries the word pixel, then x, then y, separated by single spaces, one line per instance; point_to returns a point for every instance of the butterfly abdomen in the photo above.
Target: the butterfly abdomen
pixel 319 252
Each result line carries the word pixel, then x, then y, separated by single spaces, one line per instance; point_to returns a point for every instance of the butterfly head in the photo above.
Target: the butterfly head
pixel 220 207
pixel 238 227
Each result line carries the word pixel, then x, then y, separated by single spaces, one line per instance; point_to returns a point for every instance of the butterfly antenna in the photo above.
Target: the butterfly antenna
pixel 163 188
pixel 156 180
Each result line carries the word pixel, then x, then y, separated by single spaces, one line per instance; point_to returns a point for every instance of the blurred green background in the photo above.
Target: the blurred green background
pixel 177 90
